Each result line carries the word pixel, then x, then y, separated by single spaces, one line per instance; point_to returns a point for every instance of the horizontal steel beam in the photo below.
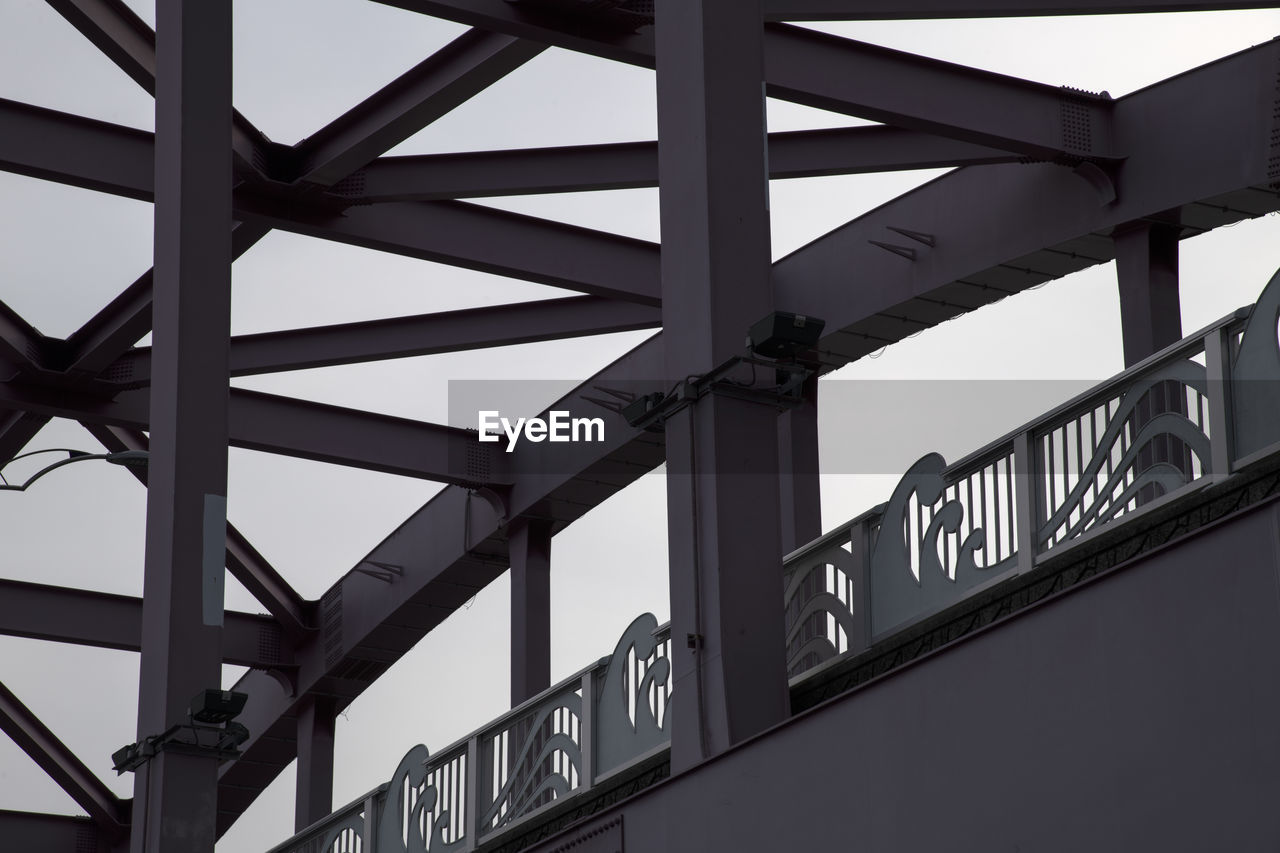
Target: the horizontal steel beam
pixel 426 334
pixel 943 98
pixel 50 833
pixel 85 618
pixel 243 560
pixel 51 145
pixel 54 758
pixel 297 428
pixel 849 77
pixel 630 165
pixel 870 10
pixel 449 77
pixel 487 240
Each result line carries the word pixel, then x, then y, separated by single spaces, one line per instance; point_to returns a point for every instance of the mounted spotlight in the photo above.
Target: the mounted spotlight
pixel 214 707
pixel 783 334
pixel 210 732
pixel 643 410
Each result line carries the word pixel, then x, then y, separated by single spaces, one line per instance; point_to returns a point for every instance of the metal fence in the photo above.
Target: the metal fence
pixel 589 726
pixel 1181 419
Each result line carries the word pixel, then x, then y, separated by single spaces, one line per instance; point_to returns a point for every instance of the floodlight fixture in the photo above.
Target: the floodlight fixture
pixel 641 412
pixel 210 713
pixel 784 335
pixel 214 707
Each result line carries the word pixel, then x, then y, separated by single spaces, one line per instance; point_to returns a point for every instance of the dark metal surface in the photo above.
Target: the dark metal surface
pixel 728 664
pixel 630 165
pixel 425 334
pixel 1191 153
pixel 187 475
pixel 108 621
pixel 530 544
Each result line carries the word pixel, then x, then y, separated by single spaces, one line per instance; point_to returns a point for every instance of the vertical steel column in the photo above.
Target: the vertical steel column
pixel 1150 320
pixel 798 468
pixel 1147 272
pixel 315 763
pixel 529 543
pixel 175 794
pixel 728 637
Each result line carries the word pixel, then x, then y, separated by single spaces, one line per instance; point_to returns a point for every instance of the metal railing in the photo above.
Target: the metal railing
pixel 1179 420
pixel 1182 419
pixel 590 726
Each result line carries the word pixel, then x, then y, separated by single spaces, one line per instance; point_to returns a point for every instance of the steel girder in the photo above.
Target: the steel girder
pixel 108 621
pixel 44 143
pixel 491 241
pixel 27 831
pixel 298 428
pixel 1043 211
pixel 425 334
pixel 630 165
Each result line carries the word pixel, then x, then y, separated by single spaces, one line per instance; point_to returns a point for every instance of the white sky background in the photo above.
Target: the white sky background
pixel 299 64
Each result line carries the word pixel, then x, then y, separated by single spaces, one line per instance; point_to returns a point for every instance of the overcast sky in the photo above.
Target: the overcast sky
pixel 299 64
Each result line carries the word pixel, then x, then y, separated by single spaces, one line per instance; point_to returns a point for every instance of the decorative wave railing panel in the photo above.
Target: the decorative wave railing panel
pixel 557 744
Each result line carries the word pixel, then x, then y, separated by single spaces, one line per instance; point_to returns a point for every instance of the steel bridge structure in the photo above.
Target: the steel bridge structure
pixel 1050 181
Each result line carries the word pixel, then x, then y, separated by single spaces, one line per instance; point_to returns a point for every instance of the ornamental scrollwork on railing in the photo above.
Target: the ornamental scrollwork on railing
pixel 932 545
pixel 820 594
pixel 533 761
pixel 633 713
pixel 414 818
pixel 1149 440
pixel 345 836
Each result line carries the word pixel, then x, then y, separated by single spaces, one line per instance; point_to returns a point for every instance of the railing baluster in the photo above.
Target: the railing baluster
pixel 1024 485
pixel 1220 427
pixel 471 808
pixel 368 838
pixel 860 603
pixel 587 731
